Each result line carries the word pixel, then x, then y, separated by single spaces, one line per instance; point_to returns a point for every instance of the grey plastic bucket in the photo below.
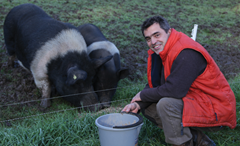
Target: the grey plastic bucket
pixel 119 129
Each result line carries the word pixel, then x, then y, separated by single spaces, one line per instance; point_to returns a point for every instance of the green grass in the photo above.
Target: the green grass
pixel 235 85
pixel 120 21
pixel 57 129
pixel 112 16
pixel 72 128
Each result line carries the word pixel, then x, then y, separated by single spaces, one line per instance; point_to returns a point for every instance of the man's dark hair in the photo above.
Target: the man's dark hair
pixel 156 19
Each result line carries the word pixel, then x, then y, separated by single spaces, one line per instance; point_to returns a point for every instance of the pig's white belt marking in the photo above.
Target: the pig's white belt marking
pixel 66 41
pixel 103 44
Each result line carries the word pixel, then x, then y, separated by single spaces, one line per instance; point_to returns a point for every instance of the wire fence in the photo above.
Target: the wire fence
pixel 57 97
pixel 58 111
pixel 63 110
pixel 74 108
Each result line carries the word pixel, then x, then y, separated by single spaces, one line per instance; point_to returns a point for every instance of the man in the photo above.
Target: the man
pixel 186 92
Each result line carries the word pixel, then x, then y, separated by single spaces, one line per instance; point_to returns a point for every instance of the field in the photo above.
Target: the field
pixel 23 122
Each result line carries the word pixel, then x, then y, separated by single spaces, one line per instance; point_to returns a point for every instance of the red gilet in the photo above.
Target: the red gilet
pixel 210 101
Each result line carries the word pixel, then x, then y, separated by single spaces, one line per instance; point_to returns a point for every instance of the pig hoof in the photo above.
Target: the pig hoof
pixel 45 103
pixel 11 61
pixel 16 64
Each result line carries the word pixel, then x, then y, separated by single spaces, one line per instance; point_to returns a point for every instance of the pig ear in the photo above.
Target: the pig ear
pixel 123 73
pixel 74 74
pixel 100 61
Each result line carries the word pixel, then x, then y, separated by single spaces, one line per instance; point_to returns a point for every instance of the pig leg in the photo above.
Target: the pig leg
pixel 13 63
pixel 11 60
pixel 10 46
pixel 46 91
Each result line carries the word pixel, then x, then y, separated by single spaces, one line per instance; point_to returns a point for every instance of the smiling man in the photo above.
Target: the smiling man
pixel 186 92
pixel 156 37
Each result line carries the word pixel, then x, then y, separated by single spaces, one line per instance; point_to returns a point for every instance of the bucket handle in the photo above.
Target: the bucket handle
pixel 140 121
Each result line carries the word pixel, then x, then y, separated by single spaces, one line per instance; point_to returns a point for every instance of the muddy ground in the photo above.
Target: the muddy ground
pixel 17 85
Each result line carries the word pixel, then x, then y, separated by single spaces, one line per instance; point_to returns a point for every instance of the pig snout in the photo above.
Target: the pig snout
pixel 90 101
pixel 105 97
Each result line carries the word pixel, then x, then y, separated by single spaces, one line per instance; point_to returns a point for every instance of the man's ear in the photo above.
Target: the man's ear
pixel 169 31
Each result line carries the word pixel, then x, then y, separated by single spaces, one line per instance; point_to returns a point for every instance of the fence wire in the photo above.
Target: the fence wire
pixel 58 111
pixel 74 108
pixel 57 97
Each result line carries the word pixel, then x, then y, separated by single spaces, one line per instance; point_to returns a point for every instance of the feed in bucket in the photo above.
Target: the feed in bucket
pixel 119 129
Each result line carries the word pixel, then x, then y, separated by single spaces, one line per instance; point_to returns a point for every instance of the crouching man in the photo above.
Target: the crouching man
pixel 186 92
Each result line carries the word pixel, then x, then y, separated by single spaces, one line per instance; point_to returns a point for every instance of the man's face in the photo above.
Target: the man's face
pixel 156 37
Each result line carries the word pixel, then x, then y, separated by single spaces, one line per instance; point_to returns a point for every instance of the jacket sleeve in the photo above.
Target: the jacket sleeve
pixel 188 65
pixel 142 104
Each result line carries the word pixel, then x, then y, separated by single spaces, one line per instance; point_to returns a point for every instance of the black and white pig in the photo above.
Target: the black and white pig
pixel 54 53
pixel 109 74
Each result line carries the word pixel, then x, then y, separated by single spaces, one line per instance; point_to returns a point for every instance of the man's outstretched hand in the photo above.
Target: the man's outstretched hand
pixel 132 107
